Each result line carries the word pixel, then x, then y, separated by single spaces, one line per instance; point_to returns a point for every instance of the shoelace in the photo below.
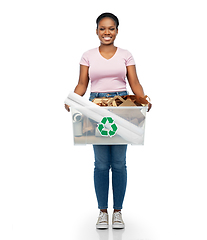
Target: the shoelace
pixel 117 217
pixel 102 217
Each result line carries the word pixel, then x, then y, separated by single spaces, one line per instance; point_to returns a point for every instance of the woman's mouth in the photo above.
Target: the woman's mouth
pixel 107 38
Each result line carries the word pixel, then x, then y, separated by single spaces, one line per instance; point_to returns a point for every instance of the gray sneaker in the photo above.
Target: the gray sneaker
pixel 102 222
pixel 117 221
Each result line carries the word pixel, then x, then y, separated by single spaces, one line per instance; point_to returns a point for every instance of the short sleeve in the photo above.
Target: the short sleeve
pixel 85 60
pixel 129 59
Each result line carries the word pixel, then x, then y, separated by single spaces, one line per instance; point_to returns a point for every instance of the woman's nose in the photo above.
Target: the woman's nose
pixel 106 31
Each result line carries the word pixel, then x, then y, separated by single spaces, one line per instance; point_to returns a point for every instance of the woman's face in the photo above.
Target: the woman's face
pixel 107 31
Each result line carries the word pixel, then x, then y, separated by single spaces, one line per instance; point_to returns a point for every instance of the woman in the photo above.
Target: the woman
pixel 107 67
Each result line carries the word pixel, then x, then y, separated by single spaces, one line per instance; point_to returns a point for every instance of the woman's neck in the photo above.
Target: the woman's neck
pixel 107 48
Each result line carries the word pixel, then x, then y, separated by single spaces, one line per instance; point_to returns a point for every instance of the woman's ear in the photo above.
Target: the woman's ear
pixel 96 31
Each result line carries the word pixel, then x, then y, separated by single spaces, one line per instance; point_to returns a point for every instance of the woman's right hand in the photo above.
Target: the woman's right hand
pixel 67 107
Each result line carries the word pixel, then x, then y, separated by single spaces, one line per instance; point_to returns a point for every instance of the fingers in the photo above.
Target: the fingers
pixel 67 108
pixel 149 106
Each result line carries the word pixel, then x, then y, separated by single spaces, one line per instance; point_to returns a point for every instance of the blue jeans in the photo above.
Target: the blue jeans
pixel 108 94
pixel 110 157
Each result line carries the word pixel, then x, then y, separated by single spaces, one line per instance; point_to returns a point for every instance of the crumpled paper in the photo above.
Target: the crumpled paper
pixel 124 101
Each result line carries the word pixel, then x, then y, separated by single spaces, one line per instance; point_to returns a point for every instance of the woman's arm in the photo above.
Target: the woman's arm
pixel 134 81
pixel 82 85
pixel 83 81
pixel 135 84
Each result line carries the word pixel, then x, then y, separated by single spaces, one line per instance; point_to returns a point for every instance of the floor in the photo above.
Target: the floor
pixel 133 231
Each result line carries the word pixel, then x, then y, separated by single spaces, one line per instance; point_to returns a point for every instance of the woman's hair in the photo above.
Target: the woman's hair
pixel 109 15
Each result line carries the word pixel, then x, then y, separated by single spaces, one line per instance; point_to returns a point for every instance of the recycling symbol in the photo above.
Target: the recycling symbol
pixel 103 131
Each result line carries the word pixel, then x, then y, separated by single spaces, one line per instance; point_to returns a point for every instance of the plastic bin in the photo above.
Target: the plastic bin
pixel 109 125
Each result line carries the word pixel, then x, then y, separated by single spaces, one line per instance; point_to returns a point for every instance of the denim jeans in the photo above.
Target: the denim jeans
pixel 110 157
pixel 107 94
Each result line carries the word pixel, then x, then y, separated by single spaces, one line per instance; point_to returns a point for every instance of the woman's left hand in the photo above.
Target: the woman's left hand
pixel 143 100
pixel 149 106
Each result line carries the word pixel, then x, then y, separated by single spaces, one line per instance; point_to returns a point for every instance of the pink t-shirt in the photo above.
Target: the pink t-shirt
pixel 107 75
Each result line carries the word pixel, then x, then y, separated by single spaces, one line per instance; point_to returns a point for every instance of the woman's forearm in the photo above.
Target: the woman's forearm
pixel 80 89
pixel 137 89
pixel 83 81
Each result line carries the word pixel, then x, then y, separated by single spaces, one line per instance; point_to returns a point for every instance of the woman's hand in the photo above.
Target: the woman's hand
pixel 144 101
pixel 149 106
pixel 67 107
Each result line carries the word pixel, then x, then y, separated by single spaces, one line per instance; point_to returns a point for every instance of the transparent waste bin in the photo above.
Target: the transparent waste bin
pixel 109 125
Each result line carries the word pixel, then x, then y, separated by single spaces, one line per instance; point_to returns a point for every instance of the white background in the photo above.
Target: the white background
pixel 46 183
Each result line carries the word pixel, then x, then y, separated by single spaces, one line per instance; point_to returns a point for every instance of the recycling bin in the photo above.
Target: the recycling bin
pixel 108 125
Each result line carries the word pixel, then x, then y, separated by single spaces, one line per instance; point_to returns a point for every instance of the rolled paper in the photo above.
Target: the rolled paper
pixel 104 112
pixel 126 130
pixel 77 116
pixel 77 123
pixel 124 133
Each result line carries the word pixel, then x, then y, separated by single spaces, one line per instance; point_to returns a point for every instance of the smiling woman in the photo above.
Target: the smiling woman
pixel 107 33
pixel 107 67
pixel 107 28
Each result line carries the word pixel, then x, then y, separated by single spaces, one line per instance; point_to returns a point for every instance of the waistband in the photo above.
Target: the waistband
pixel 106 94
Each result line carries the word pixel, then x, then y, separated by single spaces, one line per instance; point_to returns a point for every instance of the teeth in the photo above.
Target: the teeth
pixel 107 38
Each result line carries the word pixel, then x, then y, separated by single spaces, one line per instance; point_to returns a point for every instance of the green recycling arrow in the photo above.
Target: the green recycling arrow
pixel 105 132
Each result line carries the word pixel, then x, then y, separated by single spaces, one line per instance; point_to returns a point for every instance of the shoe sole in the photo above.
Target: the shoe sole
pixel 116 226
pixel 102 226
